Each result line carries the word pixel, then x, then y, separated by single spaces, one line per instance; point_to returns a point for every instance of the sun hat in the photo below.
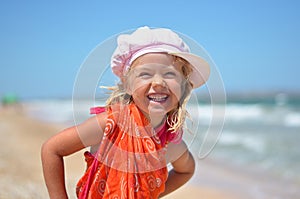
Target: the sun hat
pixel 145 40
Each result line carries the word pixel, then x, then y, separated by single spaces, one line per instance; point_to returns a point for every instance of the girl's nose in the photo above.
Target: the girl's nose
pixel 158 81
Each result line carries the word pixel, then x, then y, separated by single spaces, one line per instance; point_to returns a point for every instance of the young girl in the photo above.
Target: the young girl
pixel 139 131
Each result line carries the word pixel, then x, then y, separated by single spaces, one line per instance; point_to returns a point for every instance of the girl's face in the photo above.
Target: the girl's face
pixel 155 83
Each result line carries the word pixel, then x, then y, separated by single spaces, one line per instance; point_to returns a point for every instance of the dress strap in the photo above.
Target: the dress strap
pixel 97 110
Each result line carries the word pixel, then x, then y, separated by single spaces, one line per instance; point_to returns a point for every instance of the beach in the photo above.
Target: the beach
pixel 21 171
pixel 20 164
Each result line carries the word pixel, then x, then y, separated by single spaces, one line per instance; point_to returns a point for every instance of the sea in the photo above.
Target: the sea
pixel 261 132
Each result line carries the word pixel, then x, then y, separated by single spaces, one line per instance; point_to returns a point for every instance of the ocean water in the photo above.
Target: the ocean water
pixel 261 134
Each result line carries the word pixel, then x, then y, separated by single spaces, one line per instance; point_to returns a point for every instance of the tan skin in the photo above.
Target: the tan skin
pixel 90 133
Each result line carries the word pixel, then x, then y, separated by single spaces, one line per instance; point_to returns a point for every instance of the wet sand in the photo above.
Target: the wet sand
pixel 21 170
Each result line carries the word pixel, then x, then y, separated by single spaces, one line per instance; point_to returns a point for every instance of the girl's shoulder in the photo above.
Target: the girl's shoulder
pixel 100 113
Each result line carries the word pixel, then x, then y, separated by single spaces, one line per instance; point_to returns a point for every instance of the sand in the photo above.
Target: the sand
pixel 21 170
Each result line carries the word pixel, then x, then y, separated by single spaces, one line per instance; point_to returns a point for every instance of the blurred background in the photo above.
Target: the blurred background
pixel 254 46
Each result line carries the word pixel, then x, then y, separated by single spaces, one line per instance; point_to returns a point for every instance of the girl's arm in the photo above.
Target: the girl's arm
pixel 65 143
pixel 183 168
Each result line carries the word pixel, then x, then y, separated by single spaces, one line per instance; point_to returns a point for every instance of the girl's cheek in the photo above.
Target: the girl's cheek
pixel 176 89
pixel 138 84
pixel 179 92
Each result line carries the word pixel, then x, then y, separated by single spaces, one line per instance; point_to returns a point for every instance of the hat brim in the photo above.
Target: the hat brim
pixel 201 69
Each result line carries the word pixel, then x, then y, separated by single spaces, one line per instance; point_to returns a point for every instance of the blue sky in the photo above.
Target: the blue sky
pixel 255 44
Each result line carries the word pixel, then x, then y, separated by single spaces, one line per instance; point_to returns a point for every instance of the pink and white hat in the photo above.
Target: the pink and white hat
pixel 145 40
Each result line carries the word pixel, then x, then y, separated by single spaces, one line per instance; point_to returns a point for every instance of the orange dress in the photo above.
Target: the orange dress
pixel 130 162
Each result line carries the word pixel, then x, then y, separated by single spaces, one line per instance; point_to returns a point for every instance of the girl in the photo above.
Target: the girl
pixel 139 131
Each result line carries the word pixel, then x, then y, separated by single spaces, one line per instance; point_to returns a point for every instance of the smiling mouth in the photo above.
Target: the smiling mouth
pixel 158 98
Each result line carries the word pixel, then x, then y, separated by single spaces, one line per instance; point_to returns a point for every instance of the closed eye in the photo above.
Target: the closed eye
pixel 144 75
pixel 170 74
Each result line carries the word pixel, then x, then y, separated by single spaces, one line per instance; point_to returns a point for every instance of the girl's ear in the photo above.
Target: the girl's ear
pixel 128 90
pixel 127 85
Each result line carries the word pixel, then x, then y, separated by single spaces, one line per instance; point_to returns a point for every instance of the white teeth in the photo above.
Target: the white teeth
pixel 157 98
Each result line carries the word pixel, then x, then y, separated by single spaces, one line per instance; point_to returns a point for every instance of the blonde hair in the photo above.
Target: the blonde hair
pixel 176 118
